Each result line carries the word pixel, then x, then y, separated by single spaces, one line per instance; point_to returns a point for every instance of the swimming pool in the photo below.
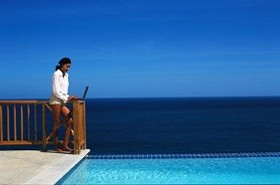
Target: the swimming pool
pixel 183 169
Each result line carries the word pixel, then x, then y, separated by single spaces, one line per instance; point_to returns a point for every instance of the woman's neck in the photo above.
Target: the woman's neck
pixel 63 72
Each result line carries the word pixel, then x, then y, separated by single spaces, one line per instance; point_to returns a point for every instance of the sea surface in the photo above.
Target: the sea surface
pixel 178 125
pixel 183 125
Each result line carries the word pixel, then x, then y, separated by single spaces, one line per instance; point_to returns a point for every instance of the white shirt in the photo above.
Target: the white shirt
pixel 60 85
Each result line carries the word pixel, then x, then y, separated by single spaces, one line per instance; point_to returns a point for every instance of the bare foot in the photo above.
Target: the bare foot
pixel 66 148
pixel 59 150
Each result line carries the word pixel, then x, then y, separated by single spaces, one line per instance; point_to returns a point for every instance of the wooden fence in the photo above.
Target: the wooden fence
pixel 29 122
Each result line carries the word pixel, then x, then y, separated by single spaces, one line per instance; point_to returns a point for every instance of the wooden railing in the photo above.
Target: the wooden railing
pixel 29 122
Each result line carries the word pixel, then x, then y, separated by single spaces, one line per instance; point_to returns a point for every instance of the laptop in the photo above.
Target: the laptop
pixel 85 94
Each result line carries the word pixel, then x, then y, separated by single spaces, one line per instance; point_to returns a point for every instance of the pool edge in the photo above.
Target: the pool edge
pixel 53 172
pixel 186 156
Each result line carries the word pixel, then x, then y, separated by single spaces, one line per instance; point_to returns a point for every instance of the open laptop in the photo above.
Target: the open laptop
pixel 85 94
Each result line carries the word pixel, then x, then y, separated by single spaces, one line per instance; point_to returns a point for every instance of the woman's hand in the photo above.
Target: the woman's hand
pixel 72 98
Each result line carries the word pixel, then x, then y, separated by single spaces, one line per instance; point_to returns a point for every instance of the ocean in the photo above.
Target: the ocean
pixel 180 125
pixel 183 125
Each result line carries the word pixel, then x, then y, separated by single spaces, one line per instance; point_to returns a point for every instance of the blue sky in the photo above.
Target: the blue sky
pixel 141 48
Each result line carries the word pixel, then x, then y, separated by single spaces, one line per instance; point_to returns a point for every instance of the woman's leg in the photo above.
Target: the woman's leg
pixel 56 109
pixel 69 122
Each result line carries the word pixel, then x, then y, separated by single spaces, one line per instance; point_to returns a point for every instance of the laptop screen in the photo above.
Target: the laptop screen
pixel 85 92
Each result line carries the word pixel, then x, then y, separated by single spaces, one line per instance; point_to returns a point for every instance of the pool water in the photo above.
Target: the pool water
pixel 250 170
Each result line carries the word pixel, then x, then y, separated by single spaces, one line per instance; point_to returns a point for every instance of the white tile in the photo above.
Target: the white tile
pixel 35 167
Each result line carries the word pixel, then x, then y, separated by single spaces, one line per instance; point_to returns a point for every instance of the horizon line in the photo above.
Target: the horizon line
pixel 155 97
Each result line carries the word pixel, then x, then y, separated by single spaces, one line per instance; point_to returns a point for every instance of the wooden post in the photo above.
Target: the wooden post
pixel 21 123
pixel 76 118
pixel 44 126
pixel 84 125
pixel 35 122
pixel 8 123
pixel 28 122
pixel 1 123
pixel 15 123
pixel 79 126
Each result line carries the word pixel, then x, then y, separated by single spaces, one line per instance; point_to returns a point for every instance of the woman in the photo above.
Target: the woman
pixel 58 100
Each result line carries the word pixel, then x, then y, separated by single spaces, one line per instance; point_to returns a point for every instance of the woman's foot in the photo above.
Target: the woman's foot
pixel 58 147
pixel 67 148
pixel 59 150
pixel 64 149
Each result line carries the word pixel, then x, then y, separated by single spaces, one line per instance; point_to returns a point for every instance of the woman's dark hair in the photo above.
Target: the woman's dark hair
pixel 63 61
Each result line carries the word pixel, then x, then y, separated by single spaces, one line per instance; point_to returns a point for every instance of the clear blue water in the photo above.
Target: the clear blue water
pixel 259 170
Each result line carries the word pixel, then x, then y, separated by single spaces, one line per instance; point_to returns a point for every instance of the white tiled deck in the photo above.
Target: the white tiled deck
pixel 35 167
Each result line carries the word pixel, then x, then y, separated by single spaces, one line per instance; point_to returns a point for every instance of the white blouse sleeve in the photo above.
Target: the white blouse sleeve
pixel 56 89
